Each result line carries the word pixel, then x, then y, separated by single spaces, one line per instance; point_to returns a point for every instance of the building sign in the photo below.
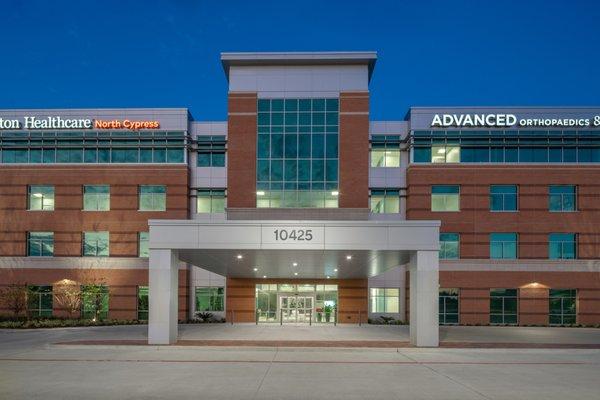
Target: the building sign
pixel 303 236
pixel 509 120
pixel 57 122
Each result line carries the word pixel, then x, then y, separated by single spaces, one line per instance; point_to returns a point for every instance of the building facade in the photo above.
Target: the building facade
pixel 278 214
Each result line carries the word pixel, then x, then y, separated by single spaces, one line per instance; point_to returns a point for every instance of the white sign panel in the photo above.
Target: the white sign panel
pixel 302 236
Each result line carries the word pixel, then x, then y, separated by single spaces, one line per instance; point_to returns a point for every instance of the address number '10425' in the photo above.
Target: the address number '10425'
pixel 300 235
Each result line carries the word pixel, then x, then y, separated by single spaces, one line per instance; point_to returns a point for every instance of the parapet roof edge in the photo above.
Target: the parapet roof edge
pixel 299 58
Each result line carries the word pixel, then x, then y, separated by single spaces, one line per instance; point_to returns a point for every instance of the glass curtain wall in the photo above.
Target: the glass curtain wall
pixel 297 153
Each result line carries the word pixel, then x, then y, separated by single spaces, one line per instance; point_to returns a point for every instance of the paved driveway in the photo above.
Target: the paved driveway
pixel 32 367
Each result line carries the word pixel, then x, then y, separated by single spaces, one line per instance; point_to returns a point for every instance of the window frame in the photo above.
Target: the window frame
pixel 387 294
pixel 98 197
pixel 105 292
pixel 444 251
pixel 503 313
pixel 141 251
pixel 443 299
pixel 384 193
pixel 37 291
pixel 562 314
pixel 445 197
pixel 562 246
pixel 562 197
pixel 140 310
pixel 503 244
pixel 213 194
pixel 44 197
pixel 41 243
pixel 96 247
pixel 156 197
pixel 504 196
pixel 216 300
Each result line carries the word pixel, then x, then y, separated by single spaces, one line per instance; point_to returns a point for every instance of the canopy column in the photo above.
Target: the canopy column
pixel 424 298
pixel 163 296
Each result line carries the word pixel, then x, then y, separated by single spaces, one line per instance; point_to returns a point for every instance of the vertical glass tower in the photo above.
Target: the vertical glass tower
pixel 297 153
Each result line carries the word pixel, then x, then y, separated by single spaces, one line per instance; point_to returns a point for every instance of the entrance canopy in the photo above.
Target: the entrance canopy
pixel 278 249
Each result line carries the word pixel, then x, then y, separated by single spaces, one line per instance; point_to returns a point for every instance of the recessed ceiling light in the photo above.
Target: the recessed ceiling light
pixel 239 256
pixel 255 269
pixel 348 257
pixel 295 264
pixel 295 273
pixel 328 277
pixel 335 270
pixel 264 276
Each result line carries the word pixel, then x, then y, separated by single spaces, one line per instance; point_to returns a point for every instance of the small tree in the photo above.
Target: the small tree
pixel 14 298
pixel 95 295
pixel 68 297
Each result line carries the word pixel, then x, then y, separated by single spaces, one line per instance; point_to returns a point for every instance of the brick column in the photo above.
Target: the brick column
pixel 354 150
pixel 474 306
pixel 241 150
pixel 533 306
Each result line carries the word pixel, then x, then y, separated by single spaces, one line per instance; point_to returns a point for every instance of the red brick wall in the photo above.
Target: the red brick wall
pixel 533 293
pixel 354 150
pixel 241 150
pixel 68 221
pixel 533 222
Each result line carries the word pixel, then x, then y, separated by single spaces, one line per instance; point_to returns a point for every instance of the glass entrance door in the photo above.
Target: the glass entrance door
pixel 296 308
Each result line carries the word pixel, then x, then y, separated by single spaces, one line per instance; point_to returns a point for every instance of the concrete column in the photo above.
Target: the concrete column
pixel 424 299
pixel 163 296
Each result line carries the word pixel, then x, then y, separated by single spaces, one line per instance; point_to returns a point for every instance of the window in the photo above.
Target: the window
pixel 297 153
pixel 505 146
pixel 143 243
pixel 562 198
pixel 503 198
pixel 210 299
pixel 96 244
pixel 445 153
pixel 385 201
pixel 96 198
pixel 142 303
pixel 94 301
pixel 41 198
pixel 211 201
pixel 445 198
pixel 211 151
pixel 448 312
pixel 40 244
pixel 503 306
pixel 39 301
pixel 562 306
pixel 153 198
pixel 385 300
pixel 562 246
pixel 503 245
pixel 385 151
pixel 449 246
pixel 118 146
pixel 386 158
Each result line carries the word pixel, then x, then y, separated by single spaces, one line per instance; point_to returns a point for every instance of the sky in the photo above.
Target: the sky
pixel 150 53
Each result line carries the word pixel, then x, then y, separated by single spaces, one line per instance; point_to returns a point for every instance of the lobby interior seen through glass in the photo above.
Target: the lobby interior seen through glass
pixel 297 153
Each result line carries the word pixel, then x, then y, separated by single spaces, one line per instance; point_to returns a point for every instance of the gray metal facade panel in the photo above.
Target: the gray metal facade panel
pixel 169 118
pixel 421 117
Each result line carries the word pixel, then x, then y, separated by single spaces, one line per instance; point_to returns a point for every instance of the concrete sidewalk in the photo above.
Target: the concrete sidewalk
pixel 32 367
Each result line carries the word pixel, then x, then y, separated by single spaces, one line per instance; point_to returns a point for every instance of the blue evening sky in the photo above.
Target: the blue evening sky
pixel 70 54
